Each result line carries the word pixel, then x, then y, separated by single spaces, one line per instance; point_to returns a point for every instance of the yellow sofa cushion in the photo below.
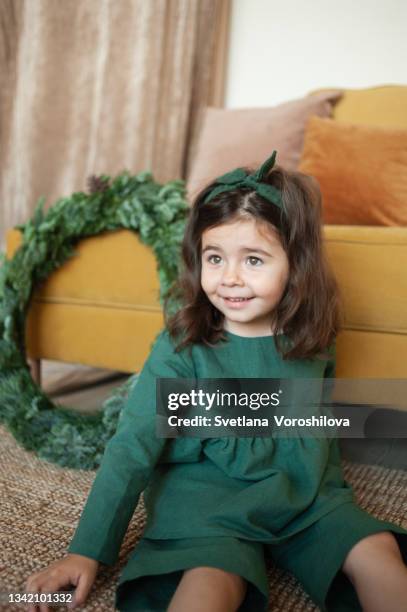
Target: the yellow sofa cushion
pixel 99 335
pixel 101 308
pixel 113 269
pixel 362 354
pixel 384 106
pixel 369 264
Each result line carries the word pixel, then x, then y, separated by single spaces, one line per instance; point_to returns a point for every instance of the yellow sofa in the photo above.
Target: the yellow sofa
pixel 101 308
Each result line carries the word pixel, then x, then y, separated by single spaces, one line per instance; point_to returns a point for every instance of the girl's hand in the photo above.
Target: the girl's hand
pixel 73 569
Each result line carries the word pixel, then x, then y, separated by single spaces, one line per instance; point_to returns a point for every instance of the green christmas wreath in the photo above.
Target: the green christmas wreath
pixel 157 213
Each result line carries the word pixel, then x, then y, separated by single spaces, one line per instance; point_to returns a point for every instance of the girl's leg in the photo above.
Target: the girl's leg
pixel 208 588
pixel 377 571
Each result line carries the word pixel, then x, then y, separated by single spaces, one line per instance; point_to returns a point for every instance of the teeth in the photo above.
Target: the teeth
pixel 237 299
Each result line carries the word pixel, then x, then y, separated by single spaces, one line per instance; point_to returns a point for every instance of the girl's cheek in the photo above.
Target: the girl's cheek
pixel 207 280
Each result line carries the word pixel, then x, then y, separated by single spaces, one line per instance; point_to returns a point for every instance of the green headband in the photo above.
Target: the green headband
pixel 238 178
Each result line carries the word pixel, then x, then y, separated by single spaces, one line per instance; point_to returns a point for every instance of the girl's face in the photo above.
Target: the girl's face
pixel 245 260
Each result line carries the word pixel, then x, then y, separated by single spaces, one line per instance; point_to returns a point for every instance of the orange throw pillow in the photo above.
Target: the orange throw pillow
pixel 362 171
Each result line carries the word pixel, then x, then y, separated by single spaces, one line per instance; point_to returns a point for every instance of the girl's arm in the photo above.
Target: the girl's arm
pixel 128 460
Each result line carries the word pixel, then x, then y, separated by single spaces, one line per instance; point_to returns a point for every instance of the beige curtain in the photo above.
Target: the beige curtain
pixel 99 86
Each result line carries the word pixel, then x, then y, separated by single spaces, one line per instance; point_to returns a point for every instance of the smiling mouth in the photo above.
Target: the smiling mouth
pixel 237 299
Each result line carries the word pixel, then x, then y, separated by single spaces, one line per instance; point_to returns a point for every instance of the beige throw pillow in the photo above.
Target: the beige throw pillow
pixel 231 138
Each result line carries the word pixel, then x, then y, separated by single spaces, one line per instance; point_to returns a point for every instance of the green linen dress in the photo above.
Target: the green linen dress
pixel 223 502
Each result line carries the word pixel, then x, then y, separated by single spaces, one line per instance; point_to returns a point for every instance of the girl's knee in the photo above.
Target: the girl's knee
pixel 370 547
pixel 386 540
pixel 383 541
pixel 215 572
pixel 229 580
pixel 208 588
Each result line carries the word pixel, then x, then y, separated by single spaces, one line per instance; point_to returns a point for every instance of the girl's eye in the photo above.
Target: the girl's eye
pixel 254 261
pixel 211 257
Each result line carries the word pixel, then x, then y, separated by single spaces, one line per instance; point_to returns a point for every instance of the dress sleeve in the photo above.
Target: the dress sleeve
pixel 129 459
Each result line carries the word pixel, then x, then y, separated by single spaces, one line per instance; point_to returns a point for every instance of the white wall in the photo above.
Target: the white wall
pixel 282 49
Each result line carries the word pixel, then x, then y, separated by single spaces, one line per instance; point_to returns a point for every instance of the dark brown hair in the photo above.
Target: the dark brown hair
pixel 308 312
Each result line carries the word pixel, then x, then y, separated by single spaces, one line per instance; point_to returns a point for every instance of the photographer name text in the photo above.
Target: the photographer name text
pixel 243 421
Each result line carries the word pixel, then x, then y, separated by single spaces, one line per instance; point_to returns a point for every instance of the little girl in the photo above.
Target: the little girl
pixel 257 300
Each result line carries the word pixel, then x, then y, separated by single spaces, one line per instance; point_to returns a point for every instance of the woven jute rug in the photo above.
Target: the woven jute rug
pixel 41 504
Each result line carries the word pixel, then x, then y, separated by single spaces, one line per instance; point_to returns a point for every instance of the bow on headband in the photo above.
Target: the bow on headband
pixel 238 179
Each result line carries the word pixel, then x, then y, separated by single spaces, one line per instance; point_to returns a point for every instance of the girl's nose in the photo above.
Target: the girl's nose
pixel 231 276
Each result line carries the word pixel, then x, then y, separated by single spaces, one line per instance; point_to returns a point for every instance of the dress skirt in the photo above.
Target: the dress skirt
pixel 155 568
pixel 314 556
